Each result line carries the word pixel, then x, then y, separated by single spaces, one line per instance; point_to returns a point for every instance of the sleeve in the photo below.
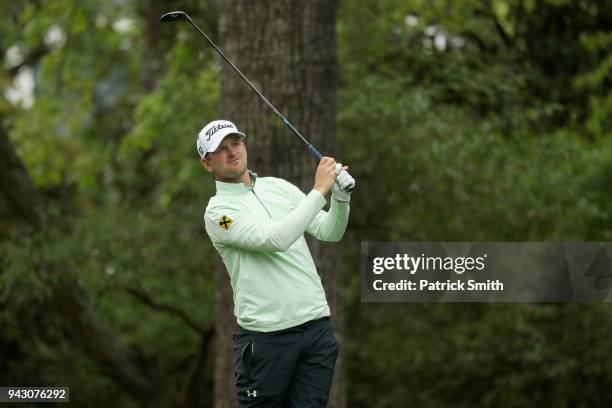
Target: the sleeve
pixel 326 226
pixel 236 228
pixel 330 226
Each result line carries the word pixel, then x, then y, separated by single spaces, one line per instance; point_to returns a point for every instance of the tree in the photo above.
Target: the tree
pixel 65 289
pixel 288 49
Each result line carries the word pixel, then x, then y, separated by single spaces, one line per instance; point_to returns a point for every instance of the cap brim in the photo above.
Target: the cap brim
pixel 215 145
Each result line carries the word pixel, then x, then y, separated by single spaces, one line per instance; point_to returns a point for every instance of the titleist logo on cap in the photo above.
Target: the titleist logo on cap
pixel 216 128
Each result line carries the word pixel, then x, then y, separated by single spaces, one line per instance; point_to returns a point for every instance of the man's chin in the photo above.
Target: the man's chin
pixel 235 174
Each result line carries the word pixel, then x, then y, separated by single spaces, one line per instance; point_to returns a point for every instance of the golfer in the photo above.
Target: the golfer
pixel 285 350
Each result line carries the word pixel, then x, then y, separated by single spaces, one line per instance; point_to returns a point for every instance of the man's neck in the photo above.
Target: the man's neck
pixel 244 178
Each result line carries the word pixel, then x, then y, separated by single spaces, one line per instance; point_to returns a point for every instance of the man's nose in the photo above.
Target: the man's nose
pixel 232 150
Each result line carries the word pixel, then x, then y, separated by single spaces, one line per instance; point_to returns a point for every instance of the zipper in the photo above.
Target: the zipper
pixel 260 202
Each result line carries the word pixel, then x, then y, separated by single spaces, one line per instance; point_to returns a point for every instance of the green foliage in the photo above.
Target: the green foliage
pixel 111 251
pixel 167 123
pixel 460 355
pixel 473 162
pixel 458 144
pixel 117 161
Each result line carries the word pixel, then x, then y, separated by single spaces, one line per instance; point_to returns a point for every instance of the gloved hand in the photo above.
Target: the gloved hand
pixel 341 190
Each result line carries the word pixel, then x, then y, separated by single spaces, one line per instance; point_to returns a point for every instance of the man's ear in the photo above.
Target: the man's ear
pixel 206 164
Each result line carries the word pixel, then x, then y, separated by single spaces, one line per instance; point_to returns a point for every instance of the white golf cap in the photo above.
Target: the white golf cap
pixel 211 135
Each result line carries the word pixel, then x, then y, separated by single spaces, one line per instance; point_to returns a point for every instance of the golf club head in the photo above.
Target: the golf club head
pixel 172 16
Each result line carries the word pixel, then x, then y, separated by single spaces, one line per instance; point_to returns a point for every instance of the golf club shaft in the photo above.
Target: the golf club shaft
pixel 310 147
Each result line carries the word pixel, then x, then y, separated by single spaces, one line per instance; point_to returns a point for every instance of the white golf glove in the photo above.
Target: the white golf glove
pixel 341 191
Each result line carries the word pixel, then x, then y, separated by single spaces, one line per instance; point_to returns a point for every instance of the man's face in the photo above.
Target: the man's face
pixel 229 161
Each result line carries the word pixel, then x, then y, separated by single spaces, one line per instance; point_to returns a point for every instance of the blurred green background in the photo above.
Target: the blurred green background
pixel 461 120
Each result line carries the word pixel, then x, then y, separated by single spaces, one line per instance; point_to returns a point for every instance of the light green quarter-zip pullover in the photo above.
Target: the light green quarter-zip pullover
pixel 259 233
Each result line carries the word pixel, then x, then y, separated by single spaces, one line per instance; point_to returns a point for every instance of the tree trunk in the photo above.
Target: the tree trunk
pixel 288 50
pixel 225 325
pixel 16 185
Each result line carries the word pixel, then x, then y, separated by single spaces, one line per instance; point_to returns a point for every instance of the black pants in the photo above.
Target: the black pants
pixel 286 368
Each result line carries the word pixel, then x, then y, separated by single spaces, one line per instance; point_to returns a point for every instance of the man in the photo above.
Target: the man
pixel 285 351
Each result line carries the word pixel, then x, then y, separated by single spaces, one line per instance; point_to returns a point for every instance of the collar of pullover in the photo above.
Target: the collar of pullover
pixel 235 188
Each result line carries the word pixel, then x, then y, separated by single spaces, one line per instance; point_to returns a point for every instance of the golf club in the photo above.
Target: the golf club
pixel 177 15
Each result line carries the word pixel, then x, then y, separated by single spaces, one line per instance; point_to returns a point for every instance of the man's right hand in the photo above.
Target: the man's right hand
pixel 326 175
